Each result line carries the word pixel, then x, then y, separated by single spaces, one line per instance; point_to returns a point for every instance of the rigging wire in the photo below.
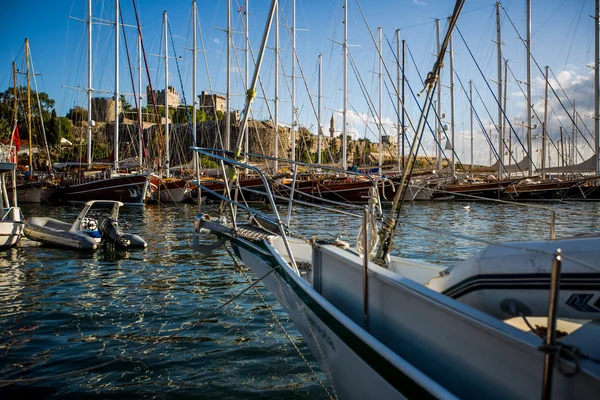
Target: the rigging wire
pixel 274 316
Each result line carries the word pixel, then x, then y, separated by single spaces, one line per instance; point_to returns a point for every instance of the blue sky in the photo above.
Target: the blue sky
pixel 562 38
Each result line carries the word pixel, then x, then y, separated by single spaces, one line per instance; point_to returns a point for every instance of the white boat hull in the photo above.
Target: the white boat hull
pixel 363 380
pixel 409 347
pixel 11 228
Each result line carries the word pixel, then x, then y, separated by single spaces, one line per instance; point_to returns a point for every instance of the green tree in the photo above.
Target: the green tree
pixel 7 101
pixel 125 105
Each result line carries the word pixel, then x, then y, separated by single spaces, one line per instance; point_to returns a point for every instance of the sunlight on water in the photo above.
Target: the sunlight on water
pixel 63 311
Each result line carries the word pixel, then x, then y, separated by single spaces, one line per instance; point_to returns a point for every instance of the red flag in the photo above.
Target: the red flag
pixel 16 139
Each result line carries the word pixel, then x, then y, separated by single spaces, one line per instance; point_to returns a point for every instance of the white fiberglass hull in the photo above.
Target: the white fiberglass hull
pixel 364 379
pixel 476 355
pixel 11 229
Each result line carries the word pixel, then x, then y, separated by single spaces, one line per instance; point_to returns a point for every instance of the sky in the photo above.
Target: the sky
pixel 562 39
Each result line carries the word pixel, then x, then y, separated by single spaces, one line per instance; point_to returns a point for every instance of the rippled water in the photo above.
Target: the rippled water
pixel 63 312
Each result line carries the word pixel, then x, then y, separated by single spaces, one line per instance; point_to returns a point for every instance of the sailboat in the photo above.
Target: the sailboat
pixel 33 186
pixel 169 189
pixel 84 183
pixel 388 327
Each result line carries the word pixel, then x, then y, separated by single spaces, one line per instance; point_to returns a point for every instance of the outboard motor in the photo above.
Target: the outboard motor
pixel 110 234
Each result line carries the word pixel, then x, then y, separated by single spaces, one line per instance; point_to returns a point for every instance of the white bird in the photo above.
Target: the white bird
pixel 467 208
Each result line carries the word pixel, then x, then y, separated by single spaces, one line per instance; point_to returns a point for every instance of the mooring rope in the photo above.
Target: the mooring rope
pixel 285 332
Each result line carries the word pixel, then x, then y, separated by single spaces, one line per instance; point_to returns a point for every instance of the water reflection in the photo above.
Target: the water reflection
pixel 63 310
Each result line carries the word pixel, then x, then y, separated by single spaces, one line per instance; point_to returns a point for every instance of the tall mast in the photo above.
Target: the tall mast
pixel 29 107
pixel 403 100
pixel 561 152
pixel 140 97
pixel 438 119
pixel 504 124
pixel 293 129
pixel 574 137
pixel 529 156
pixel 167 138
pixel 276 89
pixel 228 81
pixel 452 104
pixel 399 128
pixel 380 78
pixel 16 159
pixel 247 82
pixel 116 102
pixel 500 116
pixel 345 89
pixel 319 130
pixel 89 90
pixel 596 87
pixel 471 109
pixel 15 93
pixel 545 125
pixel 194 94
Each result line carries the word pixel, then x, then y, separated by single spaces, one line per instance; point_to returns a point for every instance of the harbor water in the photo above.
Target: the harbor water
pixel 167 322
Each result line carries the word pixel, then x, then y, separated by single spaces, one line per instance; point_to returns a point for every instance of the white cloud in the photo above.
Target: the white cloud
pixel 419 3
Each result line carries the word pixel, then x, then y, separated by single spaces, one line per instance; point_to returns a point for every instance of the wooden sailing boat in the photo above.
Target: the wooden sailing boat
pixel 170 189
pixel 83 183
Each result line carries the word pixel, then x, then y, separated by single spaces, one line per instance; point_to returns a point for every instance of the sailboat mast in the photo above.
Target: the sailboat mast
pixel 545 126
pixel 276 89
pixel 293 127
pixel 403 100
pixel 16 160
pixel 452 104
pixel 380 79
pixel 596 87
pixel 504 124
pixel 319 130
pixel 247 82
pixel 116 102
pixel 228 81
pixel 15 95
pixel 194 93
pixel 89 89
pixel 345 89
pixel 250 94
pixel 139 107
pixel 500 116
pixel 167 136
pixel 399 128
pixel 574 137
pixel 528 40
pixel 471 112
pixel 29 107
pixel 438 119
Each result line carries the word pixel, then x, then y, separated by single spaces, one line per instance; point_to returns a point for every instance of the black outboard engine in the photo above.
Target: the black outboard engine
pixel 110 234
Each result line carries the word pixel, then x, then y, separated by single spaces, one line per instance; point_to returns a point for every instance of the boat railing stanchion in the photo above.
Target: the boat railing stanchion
pixel 550 356
pixel 552 225
pixel 366 252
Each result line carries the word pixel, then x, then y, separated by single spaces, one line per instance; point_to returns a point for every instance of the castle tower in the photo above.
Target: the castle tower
pixel 331 127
